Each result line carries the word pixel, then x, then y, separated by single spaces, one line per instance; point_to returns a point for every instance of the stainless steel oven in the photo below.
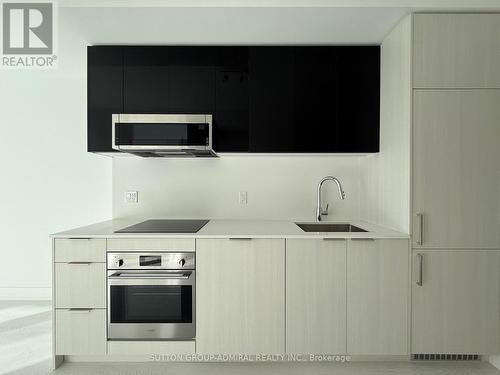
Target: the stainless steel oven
pixel 151 296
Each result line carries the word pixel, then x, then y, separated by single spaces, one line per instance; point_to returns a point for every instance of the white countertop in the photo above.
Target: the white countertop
pixel 234 228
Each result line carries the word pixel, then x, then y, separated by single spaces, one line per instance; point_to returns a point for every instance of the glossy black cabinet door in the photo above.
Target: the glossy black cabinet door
pixel 336 99
pixel 104 95
pixel 271 90
pixel 231 91
pixel 359 98
pixel 169 79
pixel 315 121
pixel 145 80
pixel 191 79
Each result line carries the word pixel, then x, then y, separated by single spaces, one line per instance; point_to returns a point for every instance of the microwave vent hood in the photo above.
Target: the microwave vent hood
pixel 163 135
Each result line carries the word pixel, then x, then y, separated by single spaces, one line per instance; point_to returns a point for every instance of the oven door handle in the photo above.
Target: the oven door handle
pixel 156 275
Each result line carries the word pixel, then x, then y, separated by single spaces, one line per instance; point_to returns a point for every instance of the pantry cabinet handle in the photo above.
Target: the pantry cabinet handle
pixel 420 269
pixel 80 309
pixel 420 222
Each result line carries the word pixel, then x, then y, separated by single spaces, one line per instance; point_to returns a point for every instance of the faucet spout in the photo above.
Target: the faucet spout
pixel 319 209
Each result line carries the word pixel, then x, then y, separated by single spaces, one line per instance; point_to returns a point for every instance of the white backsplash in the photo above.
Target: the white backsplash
pixel 278 187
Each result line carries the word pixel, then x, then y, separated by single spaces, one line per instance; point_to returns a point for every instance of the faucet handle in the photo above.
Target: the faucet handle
pixel 325 211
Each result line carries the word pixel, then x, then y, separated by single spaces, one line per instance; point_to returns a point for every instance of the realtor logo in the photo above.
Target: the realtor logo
pixel 28 35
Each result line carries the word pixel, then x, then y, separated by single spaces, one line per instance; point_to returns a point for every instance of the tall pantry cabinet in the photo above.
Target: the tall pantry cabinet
pixel 456 184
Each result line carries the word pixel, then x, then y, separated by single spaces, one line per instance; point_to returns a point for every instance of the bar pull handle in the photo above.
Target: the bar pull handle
pixel 240 239
pixel 362 239
pixel 78 309
pixel 80 263
pixel 420 234
pixel 158 275
pixel 420 258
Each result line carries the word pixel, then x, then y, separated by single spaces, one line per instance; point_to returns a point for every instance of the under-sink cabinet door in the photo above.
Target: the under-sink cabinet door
pixel 316 296
pixel 378 273
pixel 240 296
pixel 456 302
pixel 80 331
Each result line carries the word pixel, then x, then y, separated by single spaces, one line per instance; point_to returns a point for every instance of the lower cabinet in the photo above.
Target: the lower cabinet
pixel 79 284
pixel 347 296
pixel 316 296
pixel 378 296
pixel 240 299
pixel 80 331
pixel 456 302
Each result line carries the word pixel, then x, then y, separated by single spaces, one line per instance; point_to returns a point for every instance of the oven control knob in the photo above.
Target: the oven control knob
pixel 182 262
pixel 119 262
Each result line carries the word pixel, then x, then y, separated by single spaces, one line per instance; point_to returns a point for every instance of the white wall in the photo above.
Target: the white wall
pixel 49 182
pixel 385 177
pixel 279 187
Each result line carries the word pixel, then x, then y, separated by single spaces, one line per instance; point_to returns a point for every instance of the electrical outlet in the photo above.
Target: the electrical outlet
pixel 242 196
pixel 131 197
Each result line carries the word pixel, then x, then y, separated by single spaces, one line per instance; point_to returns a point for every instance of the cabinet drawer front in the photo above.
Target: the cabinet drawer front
pixel 151 244
pixel 80 285
pixel 80 332
pixel 80 250
pixel 151 347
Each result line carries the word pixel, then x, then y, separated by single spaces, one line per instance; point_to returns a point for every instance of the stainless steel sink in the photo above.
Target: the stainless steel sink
pixel 329 227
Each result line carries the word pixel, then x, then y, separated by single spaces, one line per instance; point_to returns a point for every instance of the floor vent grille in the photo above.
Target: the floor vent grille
pixel 446 357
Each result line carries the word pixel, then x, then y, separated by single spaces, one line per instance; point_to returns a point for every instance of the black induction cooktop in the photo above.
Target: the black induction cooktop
pixel 165 226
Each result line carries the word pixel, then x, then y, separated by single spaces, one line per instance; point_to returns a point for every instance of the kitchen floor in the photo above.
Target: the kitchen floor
pixel 25 349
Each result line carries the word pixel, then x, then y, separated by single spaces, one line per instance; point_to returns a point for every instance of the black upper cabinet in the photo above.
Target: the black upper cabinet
pixel 230 131
pixel 145 80
pixel 271 91
pixel 315 123
pixel 104 94
pixel 358 100
pixel 336 101
pixel 314 99
pixel 169 79
pixel 287 99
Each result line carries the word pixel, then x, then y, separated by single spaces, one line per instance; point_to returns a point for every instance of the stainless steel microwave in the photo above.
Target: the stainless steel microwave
pixel 163 135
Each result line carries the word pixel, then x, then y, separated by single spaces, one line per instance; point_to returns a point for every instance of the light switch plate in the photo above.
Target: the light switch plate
pixel 131 197
pixel 242 197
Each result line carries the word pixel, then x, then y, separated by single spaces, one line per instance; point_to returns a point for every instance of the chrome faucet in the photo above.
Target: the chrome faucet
pixel 319 210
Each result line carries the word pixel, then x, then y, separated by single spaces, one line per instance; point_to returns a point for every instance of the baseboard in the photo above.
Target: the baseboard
pixel 26 294
pixel 200 358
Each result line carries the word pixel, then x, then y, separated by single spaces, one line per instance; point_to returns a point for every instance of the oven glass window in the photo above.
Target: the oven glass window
pixel 151 304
